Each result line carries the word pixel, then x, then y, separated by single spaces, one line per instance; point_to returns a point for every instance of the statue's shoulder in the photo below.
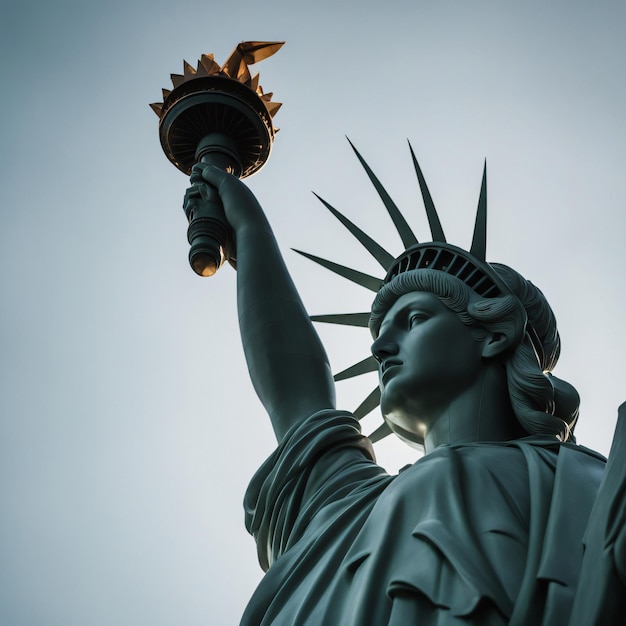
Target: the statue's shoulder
pixel 543 444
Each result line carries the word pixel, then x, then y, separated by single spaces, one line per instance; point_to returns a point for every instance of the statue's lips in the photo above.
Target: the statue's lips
pixel 388 368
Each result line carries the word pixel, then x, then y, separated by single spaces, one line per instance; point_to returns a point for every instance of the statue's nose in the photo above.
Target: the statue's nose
pixel 384 346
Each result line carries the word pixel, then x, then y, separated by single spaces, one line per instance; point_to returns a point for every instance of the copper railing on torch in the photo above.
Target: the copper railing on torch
pixel 217 115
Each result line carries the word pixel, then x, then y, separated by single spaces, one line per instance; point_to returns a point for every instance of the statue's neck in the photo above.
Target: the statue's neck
pixel 481 413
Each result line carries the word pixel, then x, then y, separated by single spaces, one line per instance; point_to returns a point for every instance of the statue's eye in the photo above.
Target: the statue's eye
pixel 416 318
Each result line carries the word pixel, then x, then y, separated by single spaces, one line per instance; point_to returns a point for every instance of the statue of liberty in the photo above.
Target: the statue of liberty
pixel 505 519
pixel 489 526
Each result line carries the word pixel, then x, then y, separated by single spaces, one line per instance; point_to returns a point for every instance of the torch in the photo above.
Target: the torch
pixel 217 115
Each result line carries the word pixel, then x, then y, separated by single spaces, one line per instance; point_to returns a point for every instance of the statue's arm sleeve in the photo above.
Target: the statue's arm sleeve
pixel 322 467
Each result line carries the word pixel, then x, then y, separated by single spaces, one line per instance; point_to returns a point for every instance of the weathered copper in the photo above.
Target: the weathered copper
pixel 505 520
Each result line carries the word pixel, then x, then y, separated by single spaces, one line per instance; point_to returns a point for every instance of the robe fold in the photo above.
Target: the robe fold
pixel 478 533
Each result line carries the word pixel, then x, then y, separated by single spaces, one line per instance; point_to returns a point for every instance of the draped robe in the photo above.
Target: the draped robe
pixel 476 533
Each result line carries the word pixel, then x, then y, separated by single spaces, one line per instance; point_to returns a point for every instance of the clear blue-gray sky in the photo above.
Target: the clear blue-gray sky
pixel 129 430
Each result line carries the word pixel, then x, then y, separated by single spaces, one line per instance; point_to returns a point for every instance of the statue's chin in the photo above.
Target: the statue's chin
pixel 413 435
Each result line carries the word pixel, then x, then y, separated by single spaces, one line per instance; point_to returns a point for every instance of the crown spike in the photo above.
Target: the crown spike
pixel 368 405
pixel 166 93
pixel 157 107
pixel 479 240
pixel 360 320
pixel 380 433
pixel 406 234
pixel 376 250
pixel 370 364
pixel 431 212
pixel 365 280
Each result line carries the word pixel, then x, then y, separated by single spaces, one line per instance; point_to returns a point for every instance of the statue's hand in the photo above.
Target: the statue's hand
pixel 241 208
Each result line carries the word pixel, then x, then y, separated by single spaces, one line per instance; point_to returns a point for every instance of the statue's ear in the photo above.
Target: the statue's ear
pixel 496 343
pixel 503 327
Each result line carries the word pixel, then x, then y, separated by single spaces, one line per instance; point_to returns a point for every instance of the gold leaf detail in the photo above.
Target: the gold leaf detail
pixel 273 107
pixel 189 71
pixel 177 80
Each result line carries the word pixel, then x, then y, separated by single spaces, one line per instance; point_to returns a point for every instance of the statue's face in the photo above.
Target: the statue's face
pixel 427 358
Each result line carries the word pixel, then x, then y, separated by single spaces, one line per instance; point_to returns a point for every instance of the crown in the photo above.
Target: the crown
pixel 226 99
pixel 468 266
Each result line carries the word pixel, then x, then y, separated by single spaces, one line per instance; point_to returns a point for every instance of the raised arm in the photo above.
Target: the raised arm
pixel 286 360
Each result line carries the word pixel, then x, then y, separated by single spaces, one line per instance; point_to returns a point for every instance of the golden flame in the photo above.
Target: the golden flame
pixel 236 67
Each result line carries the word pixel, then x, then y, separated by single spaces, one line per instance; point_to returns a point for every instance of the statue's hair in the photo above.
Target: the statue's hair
pixel 542 403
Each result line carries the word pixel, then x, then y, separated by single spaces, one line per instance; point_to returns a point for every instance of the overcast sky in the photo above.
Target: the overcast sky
pixel 129 429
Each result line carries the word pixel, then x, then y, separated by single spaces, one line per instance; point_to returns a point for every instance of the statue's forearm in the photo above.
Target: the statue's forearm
pixel 287 362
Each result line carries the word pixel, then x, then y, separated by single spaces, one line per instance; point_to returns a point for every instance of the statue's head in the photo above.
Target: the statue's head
pixel 473 317
pixel 449 332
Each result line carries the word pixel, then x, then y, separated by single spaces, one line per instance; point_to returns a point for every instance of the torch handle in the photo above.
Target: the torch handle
pixel 209 234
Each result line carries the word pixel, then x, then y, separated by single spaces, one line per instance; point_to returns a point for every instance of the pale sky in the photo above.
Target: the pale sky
pixel 129 429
